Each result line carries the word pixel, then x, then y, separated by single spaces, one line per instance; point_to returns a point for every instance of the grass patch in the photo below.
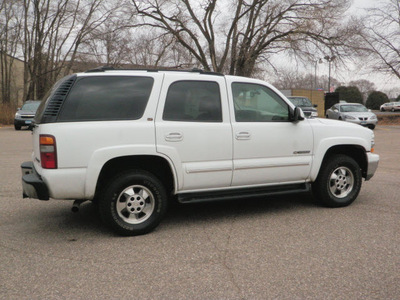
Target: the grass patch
pixel 392 119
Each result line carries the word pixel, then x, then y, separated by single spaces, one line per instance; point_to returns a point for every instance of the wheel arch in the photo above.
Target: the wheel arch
pixel 158 166
pixel 356 152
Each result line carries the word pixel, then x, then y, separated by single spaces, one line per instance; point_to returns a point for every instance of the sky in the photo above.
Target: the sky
pixel 384 83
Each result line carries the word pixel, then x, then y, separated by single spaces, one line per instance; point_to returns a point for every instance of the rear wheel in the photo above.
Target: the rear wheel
pixel 17 127
pixel 133 203
pixel 339 182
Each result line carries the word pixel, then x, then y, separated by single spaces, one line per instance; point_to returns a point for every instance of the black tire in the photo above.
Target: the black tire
pixel 140 192
pixel 372 127
pixel 393 110
pixel 17 127
pixel 339 181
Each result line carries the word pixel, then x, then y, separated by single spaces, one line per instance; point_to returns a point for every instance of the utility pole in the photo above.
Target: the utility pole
pixel 329 59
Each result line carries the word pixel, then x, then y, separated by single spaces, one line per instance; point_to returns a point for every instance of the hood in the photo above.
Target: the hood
pixel 307 108
pixel 366 114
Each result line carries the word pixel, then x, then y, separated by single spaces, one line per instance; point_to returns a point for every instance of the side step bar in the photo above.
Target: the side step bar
pixel 244 193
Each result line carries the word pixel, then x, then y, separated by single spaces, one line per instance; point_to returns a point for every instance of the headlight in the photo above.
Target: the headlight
pixel 314 114
pixel 373 118
pixel 17 115
pixel 349 117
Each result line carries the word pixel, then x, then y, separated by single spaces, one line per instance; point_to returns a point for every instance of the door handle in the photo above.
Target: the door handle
pixel 243 135
pixel 174 137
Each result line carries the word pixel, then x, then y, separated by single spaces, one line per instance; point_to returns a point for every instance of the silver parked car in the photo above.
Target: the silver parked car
pixel 353 112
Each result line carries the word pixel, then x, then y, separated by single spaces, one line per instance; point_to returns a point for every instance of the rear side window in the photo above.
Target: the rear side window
pixel 107 98
pixel 193 101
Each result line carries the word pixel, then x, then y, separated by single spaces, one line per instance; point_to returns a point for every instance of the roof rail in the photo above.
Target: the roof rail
pixel 194 70
pixel 100 69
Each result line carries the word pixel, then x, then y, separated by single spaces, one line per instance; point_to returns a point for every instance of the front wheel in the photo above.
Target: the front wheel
pixel 339 181
pixel 133 203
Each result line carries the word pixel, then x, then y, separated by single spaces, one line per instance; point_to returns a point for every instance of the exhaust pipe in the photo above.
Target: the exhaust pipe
pixel 76 205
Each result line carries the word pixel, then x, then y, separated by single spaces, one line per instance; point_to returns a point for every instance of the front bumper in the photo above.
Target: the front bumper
pixel 32 184
pixel 373 161
pixel 22 122
pixel 362 122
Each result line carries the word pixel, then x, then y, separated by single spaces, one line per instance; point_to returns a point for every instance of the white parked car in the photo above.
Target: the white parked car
pixel 390 106
pixel 354 113
pixel 131 140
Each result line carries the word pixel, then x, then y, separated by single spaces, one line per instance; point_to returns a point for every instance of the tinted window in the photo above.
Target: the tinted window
pixel 193 101
pixel 257 103
pixel 107 98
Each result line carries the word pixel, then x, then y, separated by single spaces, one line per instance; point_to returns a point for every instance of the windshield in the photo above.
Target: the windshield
pixel 31 106
pixel 300 101
pixel 353 108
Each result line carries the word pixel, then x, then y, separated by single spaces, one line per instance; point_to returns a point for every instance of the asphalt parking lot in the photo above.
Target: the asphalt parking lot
pixel 274 248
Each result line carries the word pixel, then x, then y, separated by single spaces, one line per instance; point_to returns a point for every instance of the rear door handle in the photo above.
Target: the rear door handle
pixel 243 135
pixel 174 137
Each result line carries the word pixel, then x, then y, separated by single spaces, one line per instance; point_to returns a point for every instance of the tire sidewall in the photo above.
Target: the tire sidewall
pixel 107 205
pixel 324 193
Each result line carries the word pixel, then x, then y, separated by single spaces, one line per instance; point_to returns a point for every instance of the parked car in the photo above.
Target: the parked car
pixel 24 115
pixel 306 106
pixel 390 106
pixel 354 113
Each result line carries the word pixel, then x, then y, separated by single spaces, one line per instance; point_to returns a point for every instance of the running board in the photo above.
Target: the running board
pixel 244 193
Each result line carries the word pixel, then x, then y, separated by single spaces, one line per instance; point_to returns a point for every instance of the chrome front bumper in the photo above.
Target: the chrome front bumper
pixel 373 161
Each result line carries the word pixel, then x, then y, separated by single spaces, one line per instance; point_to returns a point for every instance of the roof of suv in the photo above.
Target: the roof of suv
pixel 111 69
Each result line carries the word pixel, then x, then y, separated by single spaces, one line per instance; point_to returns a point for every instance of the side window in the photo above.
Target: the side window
pixel 101 98
pixel 193 101
pixel 258 103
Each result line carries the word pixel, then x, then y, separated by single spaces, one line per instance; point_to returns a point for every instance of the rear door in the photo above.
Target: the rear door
pixel 193 130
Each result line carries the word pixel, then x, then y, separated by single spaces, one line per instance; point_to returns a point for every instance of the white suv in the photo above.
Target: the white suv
pixel 130 140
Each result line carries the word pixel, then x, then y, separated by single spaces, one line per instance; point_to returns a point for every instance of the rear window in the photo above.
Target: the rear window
pixel 107 98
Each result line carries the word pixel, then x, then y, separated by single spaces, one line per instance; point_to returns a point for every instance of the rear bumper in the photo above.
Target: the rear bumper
pixel 32 184
pixel 373 161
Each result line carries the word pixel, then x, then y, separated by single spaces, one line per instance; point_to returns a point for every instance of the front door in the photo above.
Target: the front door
pixel 268 147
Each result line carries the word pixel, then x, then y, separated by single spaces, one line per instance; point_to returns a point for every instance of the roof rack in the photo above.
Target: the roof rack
pixel 100 69
pixel 194 70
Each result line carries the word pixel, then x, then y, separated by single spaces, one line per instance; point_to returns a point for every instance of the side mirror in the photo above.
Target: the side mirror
pixel 369 110
pixel 297 114
pixel 19 108
pixel 315 105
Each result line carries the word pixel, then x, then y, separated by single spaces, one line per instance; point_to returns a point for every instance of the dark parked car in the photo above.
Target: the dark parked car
pixel 305 104
pixel 25 114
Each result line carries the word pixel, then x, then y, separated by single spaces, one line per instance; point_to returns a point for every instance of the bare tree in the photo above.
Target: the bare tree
pixel 365 87
pixel 239 34
pixel 285 79
pixel 53 33
pixel 382 37
pixel 10 31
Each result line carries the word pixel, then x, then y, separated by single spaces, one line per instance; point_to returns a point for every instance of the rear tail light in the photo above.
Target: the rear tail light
pixel 48 151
